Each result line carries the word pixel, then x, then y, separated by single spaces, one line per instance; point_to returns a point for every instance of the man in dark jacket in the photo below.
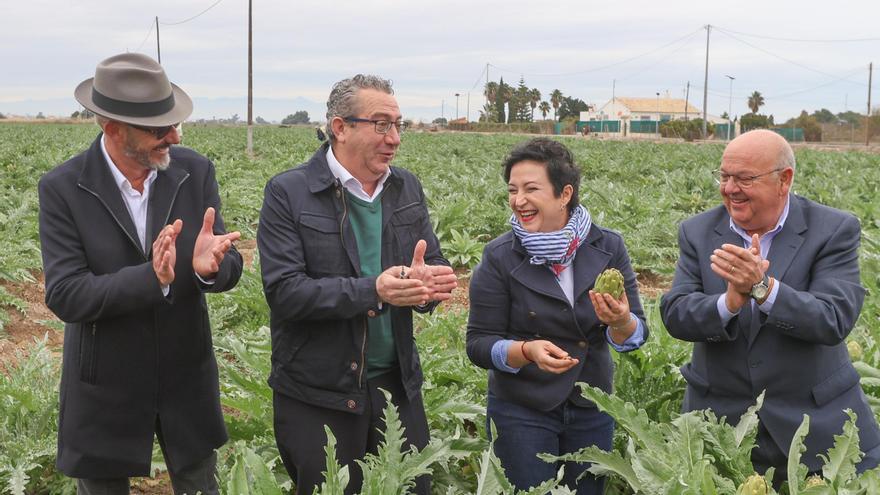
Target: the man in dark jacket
pixel 767 288
pixel 131 239
pixel 347 251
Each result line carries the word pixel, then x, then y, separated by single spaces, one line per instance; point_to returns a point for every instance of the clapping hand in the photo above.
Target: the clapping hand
pixel 165 252
pixel 210 248
pixel 417 284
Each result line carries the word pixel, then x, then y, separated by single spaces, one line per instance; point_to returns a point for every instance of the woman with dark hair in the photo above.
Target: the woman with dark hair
pixel 538 327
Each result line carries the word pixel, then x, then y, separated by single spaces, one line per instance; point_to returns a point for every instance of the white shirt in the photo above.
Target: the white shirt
pixel 136 202
pixel 350 183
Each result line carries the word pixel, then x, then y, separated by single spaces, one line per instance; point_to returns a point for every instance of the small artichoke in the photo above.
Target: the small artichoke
pixel 753 485
pixel 609 282
pixel 815 480
pixel 855 350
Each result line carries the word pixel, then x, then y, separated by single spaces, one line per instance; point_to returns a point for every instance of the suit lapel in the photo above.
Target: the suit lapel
pixel 589 262
pixel 97 179
pixel 162 195
pixel 537 278
pixel 782 252
pixel 788 241
pixel 723 235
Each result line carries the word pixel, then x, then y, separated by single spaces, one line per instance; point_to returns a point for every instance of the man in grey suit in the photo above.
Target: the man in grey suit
pixel 767 288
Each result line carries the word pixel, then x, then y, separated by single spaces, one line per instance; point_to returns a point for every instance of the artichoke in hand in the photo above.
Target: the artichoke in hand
pixel 609 282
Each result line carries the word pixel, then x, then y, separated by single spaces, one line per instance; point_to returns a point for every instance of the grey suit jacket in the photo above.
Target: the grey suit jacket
pixel 796 353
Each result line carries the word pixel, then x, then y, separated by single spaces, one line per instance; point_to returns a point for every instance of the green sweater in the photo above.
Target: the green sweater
pixel 366 221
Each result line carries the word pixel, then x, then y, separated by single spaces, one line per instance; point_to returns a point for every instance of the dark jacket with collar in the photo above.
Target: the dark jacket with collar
pixel 797 353
pixel 319 304
pixel 510 298
pixel 131 355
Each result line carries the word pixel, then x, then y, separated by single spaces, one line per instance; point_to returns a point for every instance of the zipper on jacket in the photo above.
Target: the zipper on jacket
pixel 174 198
pixel 107 207
pixel 340 192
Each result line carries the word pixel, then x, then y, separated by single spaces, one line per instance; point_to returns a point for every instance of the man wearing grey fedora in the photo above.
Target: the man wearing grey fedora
pixel 132 238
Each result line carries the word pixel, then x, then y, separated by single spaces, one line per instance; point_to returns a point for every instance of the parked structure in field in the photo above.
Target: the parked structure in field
pixel 640 116
pixel 653 108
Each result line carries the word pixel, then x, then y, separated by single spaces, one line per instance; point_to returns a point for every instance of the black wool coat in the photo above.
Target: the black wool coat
pixel 131 356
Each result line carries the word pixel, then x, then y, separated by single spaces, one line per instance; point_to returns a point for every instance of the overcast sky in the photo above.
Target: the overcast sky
pixel 432 50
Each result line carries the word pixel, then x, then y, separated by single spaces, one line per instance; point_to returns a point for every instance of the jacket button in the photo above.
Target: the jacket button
pixel 755 364
pixel 353 366
pixel 371 313
pixel 351 404
pixel 532 314
pixel 582 344
pixel 338 193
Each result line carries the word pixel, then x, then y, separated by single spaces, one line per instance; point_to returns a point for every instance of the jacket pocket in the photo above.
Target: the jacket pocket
pixel 292 344
pixel 88 352
pixel 699 384
pixel 839 382
pixel 406 222
pixel 322 245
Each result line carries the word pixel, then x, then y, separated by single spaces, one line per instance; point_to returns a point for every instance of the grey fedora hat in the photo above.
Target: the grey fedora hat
pixel 133 88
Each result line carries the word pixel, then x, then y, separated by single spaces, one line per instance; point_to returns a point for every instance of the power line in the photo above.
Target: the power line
pixel 783 58
pixel 191 18
pixel 603 67
pixel 851 40
pixel 651 66
pixel 146 37
pixel 479 78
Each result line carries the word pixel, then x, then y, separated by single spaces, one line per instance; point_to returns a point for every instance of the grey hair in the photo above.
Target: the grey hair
pixel 786 158
pixel 341 102
pixel 101 120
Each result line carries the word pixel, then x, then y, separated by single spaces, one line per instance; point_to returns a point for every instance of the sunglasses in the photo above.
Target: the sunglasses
pixel 158 132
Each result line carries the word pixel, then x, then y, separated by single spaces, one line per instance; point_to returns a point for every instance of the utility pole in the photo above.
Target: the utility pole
pixel 729 106
pixel 158 51
pixel 250 124
pixel 469 107
pixel 456 105
pixel 687 94
pixel 868 116
pixel 486 93
pixel 706 80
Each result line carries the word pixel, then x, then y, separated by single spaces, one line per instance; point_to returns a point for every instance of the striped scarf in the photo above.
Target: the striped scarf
pixel 555 249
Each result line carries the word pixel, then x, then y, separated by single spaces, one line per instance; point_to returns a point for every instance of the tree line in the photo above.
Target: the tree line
pixel 508 104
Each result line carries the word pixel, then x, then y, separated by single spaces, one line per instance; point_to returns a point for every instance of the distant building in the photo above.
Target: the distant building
pixel 654 108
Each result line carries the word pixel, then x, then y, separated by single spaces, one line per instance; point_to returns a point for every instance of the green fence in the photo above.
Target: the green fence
pixel 721 131
pixel 599 125
pixel 791 134
pixel 643 126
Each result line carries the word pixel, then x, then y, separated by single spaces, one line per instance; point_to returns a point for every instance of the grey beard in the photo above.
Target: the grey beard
pixel 143 158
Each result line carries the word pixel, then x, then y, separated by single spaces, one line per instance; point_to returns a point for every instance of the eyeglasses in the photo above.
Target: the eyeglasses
pixel 158 132
pixel 381 126
pixel 743 181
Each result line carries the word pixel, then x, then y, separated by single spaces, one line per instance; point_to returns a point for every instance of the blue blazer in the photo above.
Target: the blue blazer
pixel 512 299
pixel 797 352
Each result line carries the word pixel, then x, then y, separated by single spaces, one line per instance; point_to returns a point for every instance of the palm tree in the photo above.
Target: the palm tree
pixel 544 107
pixel 555 100
pixel 502 97
pixel 491 92
pixel 534 99
pixel 755 102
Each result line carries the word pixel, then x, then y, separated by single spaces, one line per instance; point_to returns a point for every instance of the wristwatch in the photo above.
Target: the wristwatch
pixel 759 291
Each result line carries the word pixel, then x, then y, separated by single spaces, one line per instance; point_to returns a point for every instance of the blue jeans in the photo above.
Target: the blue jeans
pixel 524 432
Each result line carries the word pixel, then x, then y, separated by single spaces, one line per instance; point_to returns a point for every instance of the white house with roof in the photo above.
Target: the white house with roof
pixel 655 108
